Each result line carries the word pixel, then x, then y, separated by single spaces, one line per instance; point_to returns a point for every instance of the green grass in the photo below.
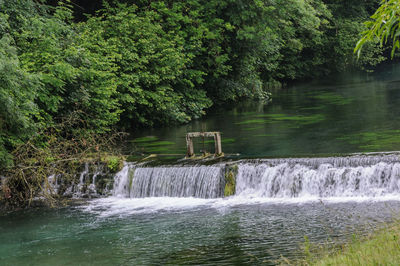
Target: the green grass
pixel 379 248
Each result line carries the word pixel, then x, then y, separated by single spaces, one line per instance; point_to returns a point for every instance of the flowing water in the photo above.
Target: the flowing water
pixel 160 231
pixel 351 176
pixel 177 213
pixel 179 181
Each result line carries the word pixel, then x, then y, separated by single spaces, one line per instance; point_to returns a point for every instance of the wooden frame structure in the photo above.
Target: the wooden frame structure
pixel 215 135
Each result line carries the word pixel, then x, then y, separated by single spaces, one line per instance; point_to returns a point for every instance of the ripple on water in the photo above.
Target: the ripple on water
pixel 235 230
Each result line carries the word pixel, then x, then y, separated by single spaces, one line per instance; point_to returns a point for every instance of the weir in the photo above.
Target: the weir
pixel 176 181
pixel 352 176
pixel 94 180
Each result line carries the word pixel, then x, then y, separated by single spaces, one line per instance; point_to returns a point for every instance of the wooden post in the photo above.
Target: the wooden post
pixel 217 142
pixel 189 145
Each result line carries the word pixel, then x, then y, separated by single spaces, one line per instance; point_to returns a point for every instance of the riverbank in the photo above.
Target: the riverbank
pixel 381 247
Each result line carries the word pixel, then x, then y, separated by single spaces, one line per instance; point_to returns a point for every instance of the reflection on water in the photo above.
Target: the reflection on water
pixel 353 113
pixel 216 231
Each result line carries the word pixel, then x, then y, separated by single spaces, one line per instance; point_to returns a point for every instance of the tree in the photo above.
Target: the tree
pixel 18 90
pixel 384 26
pixel 74 78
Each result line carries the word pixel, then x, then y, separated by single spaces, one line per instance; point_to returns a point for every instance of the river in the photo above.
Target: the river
pixel 297 177
pixel 341 114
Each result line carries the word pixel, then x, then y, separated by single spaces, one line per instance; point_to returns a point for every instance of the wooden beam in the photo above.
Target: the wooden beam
pixel 217 142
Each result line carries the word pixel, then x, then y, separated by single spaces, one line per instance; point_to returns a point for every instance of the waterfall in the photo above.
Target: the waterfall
pixel 351 176
pixel 170 181
pixel 355 176
pixel 122 180
pixel 53 184
pixel 78 190
pixel 87 184
pixel 98 171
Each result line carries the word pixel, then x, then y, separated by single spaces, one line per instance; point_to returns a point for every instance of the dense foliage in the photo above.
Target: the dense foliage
pixel 384 27
pixel 151 63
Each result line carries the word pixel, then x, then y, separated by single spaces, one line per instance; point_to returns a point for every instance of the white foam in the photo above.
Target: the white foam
pixel 122 207
pixel 114 206
pixel 288 180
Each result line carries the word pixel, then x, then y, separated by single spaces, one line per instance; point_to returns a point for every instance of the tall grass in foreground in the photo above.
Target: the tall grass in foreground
pixel 379 248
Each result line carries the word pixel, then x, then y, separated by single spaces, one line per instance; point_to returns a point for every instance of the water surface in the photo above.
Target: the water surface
pixel 341 114
pixel 156 231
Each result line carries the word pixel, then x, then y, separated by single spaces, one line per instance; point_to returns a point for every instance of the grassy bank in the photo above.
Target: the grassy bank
pixel 379 248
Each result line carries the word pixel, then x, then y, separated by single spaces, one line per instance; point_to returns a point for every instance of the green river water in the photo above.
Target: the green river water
pixel 341 114
pixel 198 232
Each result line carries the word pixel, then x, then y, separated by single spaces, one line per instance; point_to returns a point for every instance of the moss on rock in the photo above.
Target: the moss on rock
pixel 131 175
pixel 114 163
pixel 230 180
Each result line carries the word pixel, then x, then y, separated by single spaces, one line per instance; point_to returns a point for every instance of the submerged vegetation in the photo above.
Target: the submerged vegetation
pixel 275 118
pixel 332 98
pixel 374 141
